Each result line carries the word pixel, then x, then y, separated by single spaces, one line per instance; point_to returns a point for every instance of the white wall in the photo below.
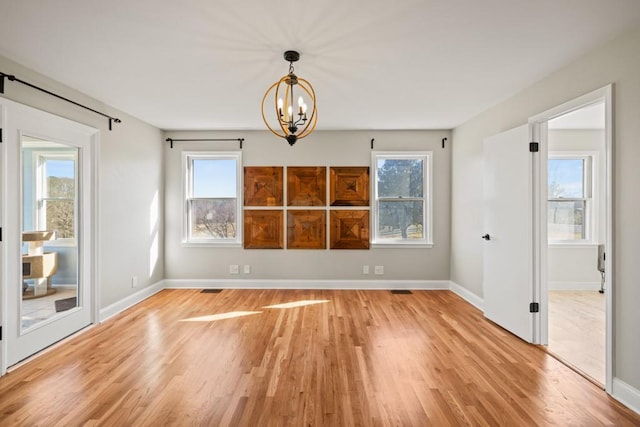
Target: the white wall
pixel 575 267
pixel 131 184
pixel 616 62
pixel 322 148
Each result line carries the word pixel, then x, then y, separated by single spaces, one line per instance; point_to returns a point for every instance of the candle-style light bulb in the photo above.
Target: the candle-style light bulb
pixel 289 111
pixel 280 104
pixel 304 108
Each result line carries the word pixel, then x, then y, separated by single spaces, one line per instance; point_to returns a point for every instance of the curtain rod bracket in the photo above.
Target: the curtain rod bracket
pixel 372 139
pixel 443 141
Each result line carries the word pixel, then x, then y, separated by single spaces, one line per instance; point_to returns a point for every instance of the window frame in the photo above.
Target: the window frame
pixel 589 178
pixel 40 180
pixel 187 188
pixel 427 197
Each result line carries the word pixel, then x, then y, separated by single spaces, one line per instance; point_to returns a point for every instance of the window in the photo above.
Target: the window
pixel 56 194
pixel 212 201
pixel 402 210
pixel 570 199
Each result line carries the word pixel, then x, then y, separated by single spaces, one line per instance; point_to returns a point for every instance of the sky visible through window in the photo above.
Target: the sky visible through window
pixel 60 168
pixel 566 178
pixel 214 178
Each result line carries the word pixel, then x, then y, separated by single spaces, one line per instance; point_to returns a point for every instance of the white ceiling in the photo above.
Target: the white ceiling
pixel 375 64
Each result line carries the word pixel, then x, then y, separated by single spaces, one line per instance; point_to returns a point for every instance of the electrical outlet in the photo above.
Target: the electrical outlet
pixel 134 281
pixel 365 269
pixel 247 269
pixel 379 270
pixel 234 269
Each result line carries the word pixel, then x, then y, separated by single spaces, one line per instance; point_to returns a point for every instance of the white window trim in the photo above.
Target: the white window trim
pixel 427 185
pixel 186 191
pixel 39 157
pixel 591 201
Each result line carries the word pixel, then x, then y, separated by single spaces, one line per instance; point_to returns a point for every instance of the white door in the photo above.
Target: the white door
pixel 48 271
pixel 508 228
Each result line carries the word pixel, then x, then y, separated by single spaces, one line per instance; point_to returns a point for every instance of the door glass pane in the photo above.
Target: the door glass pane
pixel 566 220
pixel 49 230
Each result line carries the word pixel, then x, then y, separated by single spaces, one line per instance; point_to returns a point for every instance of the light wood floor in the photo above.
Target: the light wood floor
pixel 362 358
pixel 577 330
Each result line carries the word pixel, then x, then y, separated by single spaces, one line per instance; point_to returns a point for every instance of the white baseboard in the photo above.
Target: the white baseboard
pixel 575 286
pixel 627 395
pixel 467 295
pixel 306 284
pixel 129 301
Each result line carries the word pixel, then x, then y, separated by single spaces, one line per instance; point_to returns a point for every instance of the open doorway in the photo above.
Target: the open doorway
pixel 576 238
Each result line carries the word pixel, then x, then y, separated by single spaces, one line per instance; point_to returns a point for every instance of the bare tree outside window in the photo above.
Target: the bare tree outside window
pixel 214 218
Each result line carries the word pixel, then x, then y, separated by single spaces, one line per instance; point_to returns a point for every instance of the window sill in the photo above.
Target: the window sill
pixel 211 245
pixel 60 244
pixel 401 245
pixel 572 245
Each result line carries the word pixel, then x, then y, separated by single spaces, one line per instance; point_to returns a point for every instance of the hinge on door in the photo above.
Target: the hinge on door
pixel 0 134
pixel 534 147
pixel 534 307
pixel 0 333
pixel 0 234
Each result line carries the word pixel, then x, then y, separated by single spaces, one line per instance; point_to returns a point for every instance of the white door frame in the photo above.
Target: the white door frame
pixel 11 234
pixel 538 130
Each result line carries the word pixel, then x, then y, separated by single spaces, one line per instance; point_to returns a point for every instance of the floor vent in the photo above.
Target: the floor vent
pixel 211 291
pixel 401 291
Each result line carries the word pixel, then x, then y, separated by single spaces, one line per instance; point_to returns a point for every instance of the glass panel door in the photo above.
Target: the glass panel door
pixel 49 230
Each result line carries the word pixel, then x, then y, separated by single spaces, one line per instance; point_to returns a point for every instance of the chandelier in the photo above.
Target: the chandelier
pixel 293 122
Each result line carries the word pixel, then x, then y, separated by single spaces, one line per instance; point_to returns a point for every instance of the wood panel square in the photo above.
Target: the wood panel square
pixel 306 229
pixel 349 186
pixel 306 186
pixel 263 229
pixel 349 229
pixel 263 185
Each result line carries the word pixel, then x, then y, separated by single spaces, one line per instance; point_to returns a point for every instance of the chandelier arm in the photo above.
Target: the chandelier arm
pixel 287 120
pixel 285 110
pixel 264 118
pixel 313 117
pixel 307 131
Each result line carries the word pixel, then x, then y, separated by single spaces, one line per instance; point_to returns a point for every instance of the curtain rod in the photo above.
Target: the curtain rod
pixel 13 78
pixel 240 140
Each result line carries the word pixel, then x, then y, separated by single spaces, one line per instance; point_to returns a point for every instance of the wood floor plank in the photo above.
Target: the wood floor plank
pixel 359 358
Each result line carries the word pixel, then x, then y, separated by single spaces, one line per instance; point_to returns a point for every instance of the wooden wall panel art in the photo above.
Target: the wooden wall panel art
pixel 263 185
pixel 306 186
pixel 349 229
pixel 263 229
pixel 349 186
pixel 306 229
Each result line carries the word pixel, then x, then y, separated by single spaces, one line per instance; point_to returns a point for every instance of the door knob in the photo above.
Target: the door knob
pixel 486 237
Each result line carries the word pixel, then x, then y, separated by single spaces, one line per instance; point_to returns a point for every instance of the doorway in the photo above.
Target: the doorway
pixel 48 279
pixel 574 218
